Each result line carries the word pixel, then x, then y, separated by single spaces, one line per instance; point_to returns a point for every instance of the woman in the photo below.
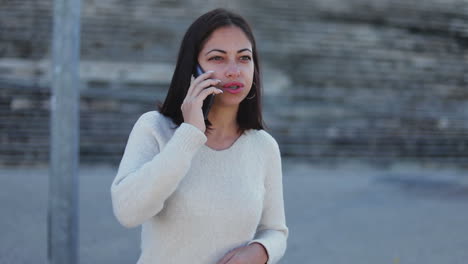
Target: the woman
pixel 206 191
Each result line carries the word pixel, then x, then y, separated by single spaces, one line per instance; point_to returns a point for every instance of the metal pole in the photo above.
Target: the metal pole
pixel 64 135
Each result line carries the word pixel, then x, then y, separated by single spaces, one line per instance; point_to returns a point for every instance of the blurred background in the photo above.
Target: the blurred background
pixel 368 100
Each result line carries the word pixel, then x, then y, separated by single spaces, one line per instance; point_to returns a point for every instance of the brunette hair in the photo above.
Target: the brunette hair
pixel 249 115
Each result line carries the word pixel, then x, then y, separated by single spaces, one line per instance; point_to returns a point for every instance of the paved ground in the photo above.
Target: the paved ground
pixel 352 213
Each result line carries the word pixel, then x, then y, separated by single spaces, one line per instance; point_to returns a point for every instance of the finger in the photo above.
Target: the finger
pixel 190 89
pixel 202 77
pixel 229 260
pixel 204 85
pixel 227 257
pixel 212 90
pixel 194 82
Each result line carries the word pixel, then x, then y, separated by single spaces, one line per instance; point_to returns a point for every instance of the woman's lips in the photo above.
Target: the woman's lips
pixel 233 87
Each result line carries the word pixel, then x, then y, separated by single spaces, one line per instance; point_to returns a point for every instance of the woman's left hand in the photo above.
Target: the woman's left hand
pixel 254 253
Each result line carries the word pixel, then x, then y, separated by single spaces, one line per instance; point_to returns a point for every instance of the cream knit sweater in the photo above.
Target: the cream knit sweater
pixel 194 203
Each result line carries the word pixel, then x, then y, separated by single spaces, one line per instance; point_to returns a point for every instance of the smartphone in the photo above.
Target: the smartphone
pixel 208 102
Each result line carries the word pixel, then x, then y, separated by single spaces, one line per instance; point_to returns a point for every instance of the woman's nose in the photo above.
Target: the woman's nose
pixel 232 71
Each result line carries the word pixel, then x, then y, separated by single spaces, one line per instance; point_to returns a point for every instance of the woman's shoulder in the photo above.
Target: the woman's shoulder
pixel 263 139
pixel 155 120
pixel 150 116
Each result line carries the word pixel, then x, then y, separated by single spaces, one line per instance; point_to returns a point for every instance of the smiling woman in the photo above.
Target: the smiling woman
pixel 206 190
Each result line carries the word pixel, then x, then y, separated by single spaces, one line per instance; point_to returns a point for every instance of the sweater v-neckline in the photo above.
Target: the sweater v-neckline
pixel 232 146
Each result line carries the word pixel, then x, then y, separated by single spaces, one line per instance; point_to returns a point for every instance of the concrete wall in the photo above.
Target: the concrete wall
pixel 375 79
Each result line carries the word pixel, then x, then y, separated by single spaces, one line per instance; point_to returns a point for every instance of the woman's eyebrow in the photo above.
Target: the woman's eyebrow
pixel 223 51
pixel 246 49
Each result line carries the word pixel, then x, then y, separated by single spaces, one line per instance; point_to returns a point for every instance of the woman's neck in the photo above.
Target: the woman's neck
pixel 224 121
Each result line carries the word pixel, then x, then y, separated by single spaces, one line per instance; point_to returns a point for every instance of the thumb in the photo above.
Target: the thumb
pixel 227 257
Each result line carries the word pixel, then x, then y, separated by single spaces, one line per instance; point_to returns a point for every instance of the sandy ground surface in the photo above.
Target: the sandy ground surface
pixel 346 213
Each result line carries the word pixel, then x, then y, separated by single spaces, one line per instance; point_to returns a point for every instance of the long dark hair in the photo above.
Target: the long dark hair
pixel 249 115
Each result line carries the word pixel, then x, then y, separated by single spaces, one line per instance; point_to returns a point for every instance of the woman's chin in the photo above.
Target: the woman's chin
pixel 229 101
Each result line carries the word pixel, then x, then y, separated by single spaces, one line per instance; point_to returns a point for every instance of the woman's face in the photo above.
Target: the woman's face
pixel 228 52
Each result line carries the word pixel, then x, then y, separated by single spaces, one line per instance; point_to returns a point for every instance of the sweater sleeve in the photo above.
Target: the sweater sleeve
pixel 148 175
pixel 272 231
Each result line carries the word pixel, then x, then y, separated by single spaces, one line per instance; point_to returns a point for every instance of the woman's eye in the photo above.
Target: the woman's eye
pixel 246 58
pixel 216 58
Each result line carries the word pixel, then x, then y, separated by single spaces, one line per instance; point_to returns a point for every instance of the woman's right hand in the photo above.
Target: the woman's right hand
pixel 193 102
